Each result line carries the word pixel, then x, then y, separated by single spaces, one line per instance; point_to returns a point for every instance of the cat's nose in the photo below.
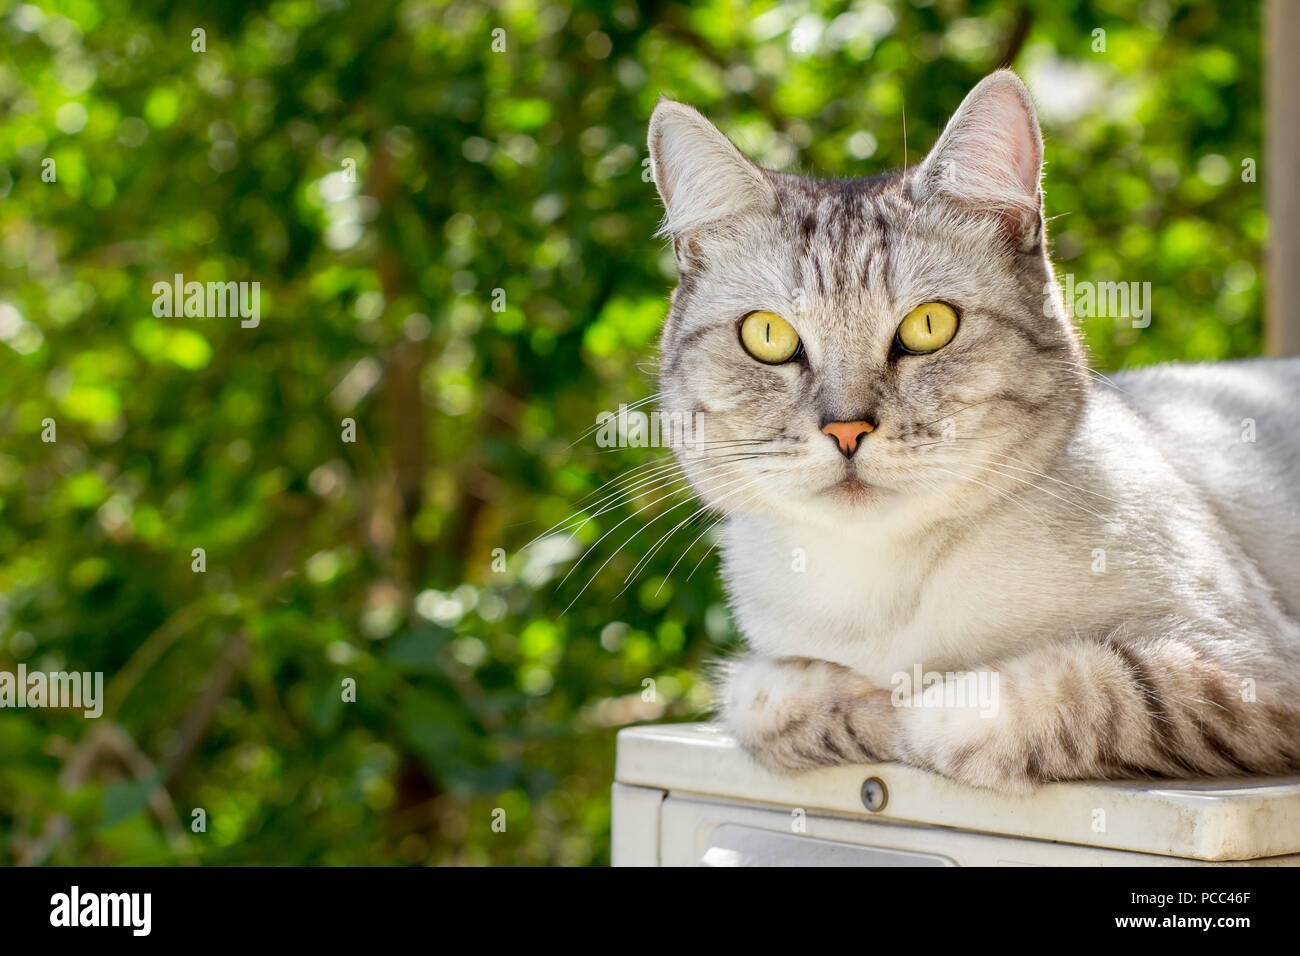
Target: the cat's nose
pixel 846 434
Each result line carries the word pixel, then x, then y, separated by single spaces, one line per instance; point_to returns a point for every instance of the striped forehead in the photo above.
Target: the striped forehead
pixel 841 234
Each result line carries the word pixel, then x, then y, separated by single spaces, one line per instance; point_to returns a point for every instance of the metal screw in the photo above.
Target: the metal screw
pixel 874 794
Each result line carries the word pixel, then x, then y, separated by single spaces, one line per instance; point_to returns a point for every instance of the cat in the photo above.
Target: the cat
pixel 919 474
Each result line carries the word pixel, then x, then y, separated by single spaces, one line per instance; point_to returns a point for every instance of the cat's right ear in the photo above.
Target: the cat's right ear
pixel 702 178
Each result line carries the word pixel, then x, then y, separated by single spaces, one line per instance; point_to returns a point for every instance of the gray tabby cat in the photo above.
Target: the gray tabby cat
pixel 896 405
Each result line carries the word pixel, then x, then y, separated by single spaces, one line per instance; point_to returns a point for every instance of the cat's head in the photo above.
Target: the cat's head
pixel 852 346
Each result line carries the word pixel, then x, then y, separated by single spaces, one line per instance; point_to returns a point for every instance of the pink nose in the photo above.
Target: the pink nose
pixel 847 434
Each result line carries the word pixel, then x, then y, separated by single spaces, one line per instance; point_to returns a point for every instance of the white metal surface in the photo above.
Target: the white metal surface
pixel 707 802
pixel 635 820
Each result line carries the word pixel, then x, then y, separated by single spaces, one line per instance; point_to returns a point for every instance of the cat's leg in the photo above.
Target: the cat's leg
pixel 1111 709
pixel 1118 708
pixel 796 713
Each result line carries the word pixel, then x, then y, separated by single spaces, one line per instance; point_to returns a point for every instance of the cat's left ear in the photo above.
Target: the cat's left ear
pixel 989 159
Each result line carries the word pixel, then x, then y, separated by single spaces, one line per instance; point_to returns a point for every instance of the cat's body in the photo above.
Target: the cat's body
pixel 1121 553
pixel 1181 483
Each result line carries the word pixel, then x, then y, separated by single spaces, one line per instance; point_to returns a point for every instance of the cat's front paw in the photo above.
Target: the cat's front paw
pixel 1001 752
pixel 797 713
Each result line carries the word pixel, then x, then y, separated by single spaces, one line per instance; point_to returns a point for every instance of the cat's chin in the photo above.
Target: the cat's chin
pixel 854 493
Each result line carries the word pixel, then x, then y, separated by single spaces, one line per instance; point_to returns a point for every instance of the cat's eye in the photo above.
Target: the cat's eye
pixel 927 328
pixel 768 337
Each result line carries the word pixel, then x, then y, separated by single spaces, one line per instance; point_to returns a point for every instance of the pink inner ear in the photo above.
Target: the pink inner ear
pixel 990 156
pixel 997 144
pixel 1021 144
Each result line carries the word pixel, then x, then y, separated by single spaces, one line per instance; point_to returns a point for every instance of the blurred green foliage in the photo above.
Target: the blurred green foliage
pixel 483 161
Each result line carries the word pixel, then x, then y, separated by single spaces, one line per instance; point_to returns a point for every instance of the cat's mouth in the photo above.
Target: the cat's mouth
pixel 852 490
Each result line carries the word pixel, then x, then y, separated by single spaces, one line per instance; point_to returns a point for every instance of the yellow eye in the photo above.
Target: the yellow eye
pixel 927 327
pixel 768 337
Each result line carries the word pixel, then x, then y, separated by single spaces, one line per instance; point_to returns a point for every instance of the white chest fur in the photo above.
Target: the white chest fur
pixel 882 603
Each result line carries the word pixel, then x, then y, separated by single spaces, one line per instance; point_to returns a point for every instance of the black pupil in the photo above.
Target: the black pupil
pixel 768 327
pixel 928 330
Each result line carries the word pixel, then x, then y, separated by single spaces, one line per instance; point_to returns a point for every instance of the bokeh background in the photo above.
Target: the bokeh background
pixel 483 161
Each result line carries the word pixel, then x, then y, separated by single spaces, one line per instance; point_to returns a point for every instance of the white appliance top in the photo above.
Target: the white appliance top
pixel 1204 819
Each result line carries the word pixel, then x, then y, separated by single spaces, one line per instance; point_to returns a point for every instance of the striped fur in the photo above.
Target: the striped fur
pixel 1116 557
